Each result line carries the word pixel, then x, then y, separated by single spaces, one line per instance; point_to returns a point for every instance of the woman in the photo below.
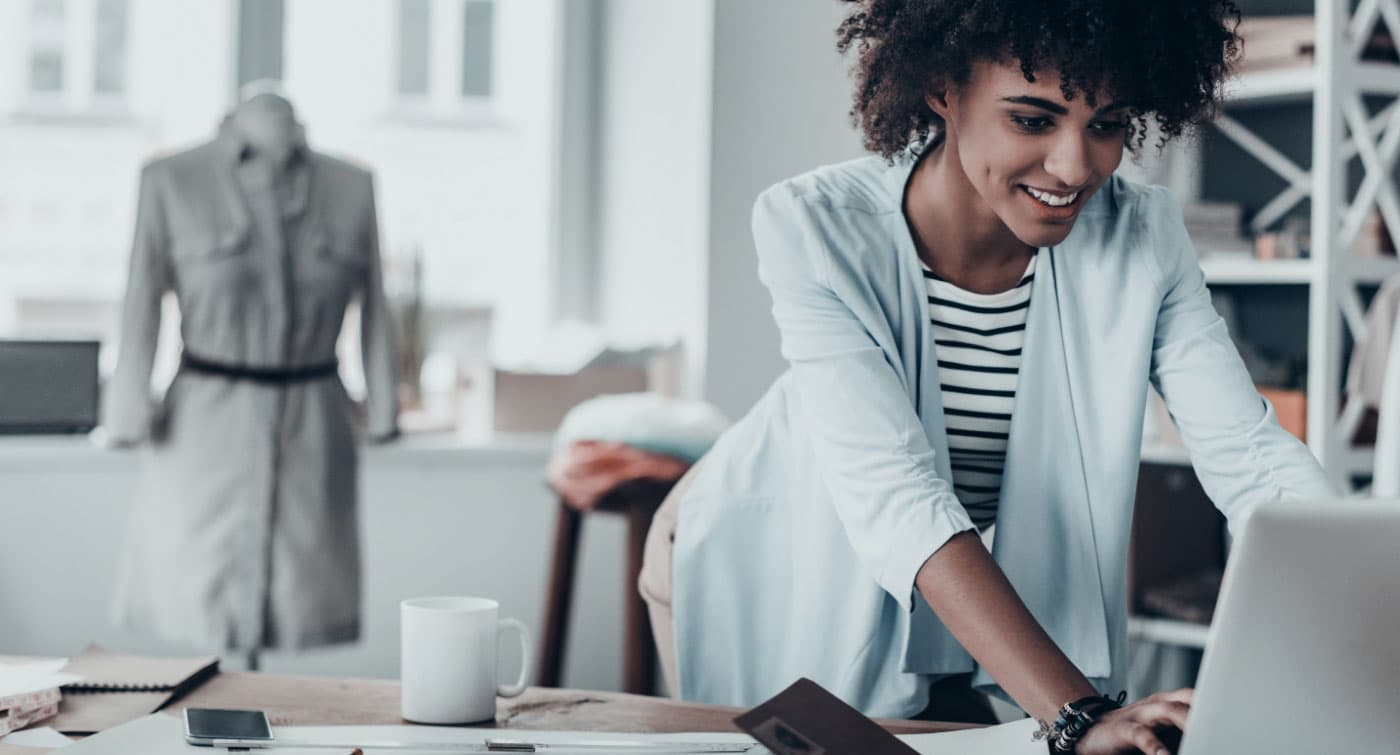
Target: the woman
pixel 971 325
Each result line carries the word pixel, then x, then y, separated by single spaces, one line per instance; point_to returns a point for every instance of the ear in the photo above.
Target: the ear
pixel 936 97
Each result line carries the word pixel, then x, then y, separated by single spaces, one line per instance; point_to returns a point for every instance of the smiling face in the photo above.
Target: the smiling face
pixel 1034 157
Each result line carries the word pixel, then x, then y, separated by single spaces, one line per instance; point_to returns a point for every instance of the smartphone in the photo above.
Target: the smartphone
pixel 208 727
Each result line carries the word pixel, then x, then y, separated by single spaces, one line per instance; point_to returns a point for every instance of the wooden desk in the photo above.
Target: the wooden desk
pixel 324 701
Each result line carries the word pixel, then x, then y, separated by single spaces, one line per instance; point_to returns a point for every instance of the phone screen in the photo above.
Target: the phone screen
pixel 211 723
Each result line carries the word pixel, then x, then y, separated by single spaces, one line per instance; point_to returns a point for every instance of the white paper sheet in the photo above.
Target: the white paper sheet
pixel 1006 739
pixel 162 734
pixel 19 678
pixel 41 737
pixel 366 736
pixel 159 734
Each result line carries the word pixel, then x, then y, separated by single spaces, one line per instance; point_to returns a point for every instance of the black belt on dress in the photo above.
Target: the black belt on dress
pixel 270 375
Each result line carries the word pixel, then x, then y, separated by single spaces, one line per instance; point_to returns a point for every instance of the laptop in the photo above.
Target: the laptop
pixel 1303 655
pixel 48 386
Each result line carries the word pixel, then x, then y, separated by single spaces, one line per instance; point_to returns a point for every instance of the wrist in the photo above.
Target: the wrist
pixel 1074 720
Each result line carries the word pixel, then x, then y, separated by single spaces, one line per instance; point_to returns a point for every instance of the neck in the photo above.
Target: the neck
pixel 270 131
pixel 956 234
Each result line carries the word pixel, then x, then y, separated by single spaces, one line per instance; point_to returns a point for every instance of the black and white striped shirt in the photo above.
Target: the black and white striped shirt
pixel 978 340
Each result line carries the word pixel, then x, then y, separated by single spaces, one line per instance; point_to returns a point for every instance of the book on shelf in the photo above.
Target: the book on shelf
pixel 1282 42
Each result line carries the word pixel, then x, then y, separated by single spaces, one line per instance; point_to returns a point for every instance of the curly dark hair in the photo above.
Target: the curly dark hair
pixel 1165 58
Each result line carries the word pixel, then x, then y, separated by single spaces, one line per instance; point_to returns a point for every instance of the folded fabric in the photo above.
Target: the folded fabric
pixel 672 427
pixel 584 471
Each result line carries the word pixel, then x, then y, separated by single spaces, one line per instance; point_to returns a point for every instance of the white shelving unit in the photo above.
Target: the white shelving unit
pixel 1358 461
pixel 1342 130
pixel 1240 271
pixel 1168 631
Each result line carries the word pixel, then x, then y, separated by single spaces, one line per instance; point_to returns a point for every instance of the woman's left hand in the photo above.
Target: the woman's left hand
pixel 1133 728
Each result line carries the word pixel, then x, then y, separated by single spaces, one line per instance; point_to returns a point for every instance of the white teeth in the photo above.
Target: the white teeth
pixel 1054 200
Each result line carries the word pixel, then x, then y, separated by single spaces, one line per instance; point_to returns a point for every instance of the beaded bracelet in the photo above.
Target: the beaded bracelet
pixel 1074 720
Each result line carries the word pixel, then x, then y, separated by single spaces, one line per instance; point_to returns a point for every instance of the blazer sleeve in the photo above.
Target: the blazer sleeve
pixel 1237 447
pixel 127 407
pixel 377 338
pixel 869 444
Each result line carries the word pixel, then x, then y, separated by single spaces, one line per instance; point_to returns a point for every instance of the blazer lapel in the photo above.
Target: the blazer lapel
pixel 1045 531
pixel 916 340
pixel 930 397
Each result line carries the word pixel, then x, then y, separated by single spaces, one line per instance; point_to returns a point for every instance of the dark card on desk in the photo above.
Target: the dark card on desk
pixel 805 719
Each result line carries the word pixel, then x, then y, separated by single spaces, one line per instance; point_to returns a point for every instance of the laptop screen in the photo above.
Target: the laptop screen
pixel 48 386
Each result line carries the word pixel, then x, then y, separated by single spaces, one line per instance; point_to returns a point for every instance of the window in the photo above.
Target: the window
pixel 476 48
pixel 109 76
pixel 47 39
pixel 260 40
pixel 413 47
pixel 468 218
pixel 446 56
pixel 77 57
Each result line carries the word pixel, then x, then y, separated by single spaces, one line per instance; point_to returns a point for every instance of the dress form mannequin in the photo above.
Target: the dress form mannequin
pixel 246 535
pixel 268 122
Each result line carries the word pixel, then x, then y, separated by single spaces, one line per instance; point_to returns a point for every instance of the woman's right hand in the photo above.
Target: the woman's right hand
pixel 1133 728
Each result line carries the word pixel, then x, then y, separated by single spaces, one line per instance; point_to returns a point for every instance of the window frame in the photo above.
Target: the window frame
pixel 444 100
pixel 77 95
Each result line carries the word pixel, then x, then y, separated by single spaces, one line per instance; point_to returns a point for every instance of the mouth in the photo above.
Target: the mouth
pixel 1053 205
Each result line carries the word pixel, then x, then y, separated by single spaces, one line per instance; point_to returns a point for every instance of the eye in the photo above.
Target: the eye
pixel 1031 124
pixel 1108 127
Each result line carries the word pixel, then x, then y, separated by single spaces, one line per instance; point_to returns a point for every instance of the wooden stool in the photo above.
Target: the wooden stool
pixel 637 500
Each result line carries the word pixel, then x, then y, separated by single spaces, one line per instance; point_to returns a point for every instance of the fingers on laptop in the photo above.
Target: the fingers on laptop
pixel 1183 695
pixel 1164 713
pixel 1145 740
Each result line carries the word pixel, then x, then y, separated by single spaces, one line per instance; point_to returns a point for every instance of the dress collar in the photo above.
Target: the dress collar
pixel 236 148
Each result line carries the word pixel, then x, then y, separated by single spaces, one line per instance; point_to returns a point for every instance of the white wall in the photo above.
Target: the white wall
pixel 781 95
pixel 466 188
pixel 654 119
pixel 433 522
pixel 704 104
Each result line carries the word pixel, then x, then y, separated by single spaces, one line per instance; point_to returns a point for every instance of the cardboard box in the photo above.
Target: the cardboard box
pixel 536 402
pixel 1291 406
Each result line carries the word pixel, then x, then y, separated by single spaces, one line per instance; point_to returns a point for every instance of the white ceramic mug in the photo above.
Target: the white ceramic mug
pixel 448 660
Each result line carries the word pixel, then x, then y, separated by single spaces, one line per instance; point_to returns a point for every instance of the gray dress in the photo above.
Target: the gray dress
pixel 245 535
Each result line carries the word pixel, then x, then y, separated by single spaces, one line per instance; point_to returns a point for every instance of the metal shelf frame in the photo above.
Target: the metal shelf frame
pixel 1342 131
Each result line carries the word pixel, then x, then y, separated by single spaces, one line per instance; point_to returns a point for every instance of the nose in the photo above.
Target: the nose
pixel 1068 160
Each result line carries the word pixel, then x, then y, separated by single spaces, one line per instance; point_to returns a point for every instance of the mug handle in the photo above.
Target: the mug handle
pixel 514 690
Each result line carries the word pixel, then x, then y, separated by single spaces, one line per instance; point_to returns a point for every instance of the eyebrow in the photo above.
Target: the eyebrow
pixel 1057 108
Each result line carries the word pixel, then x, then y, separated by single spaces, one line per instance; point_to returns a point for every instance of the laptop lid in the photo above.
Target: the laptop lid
pixel 1303 655
pixel 48 385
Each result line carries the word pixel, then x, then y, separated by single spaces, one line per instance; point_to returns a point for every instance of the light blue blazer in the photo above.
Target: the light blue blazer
pixel 799 538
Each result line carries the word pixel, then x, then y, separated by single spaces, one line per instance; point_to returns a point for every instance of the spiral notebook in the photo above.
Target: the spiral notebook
pixel 117 688
pixel 105 671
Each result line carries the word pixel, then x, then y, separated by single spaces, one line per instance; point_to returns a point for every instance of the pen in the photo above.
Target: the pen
pixel 512 745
